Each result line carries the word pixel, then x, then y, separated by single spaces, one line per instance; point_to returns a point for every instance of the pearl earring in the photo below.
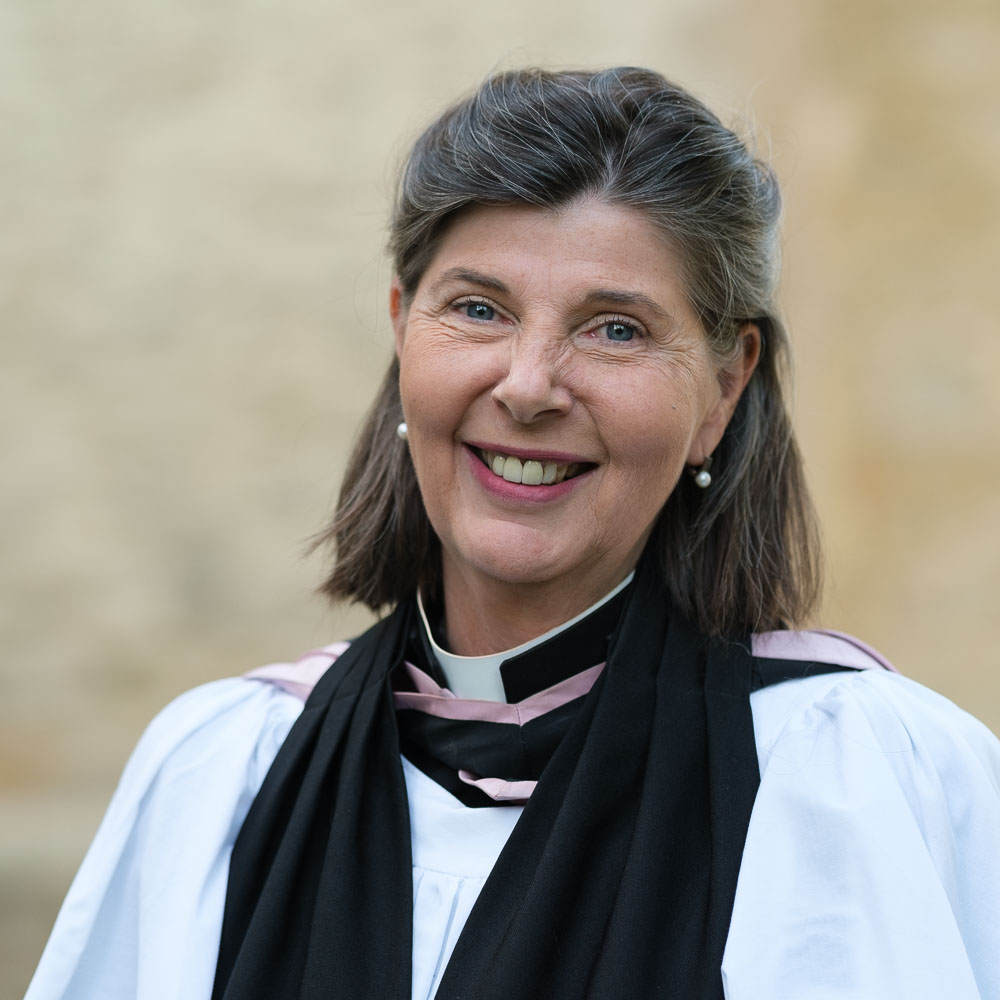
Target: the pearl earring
pixel 401 431
pixel 702 477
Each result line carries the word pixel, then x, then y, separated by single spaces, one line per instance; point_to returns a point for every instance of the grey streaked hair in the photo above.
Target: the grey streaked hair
pixel 741 555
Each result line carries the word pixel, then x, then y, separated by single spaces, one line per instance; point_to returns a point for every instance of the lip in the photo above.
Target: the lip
pixel 517 492
pixel 559 457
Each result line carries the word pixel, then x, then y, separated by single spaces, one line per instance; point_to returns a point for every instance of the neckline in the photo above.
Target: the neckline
pixel 514 674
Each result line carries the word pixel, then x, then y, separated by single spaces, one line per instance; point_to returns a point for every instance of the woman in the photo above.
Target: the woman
pixel 584 755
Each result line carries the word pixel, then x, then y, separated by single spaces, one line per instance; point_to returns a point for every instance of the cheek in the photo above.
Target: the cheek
pixel 438 396
pixel 651 426
pixel 657 465
pixel 648 448
pixel 439 379
pixel 424 391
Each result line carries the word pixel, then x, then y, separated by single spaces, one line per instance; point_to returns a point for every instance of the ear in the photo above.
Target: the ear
pixel 397 313
pixel 732 381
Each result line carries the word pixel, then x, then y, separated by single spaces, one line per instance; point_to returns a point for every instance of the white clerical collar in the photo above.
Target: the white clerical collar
pixel 479 677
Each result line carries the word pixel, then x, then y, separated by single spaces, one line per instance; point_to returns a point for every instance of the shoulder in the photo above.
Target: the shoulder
pixel 248 715
pixel 871 859
pixel 299 677
pixel 870 705
pixel 217 741
pixel 873 747
pixel 240 716
pixel 157 868
pixel 197 766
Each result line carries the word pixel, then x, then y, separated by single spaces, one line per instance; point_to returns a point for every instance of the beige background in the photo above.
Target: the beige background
pixel 192 206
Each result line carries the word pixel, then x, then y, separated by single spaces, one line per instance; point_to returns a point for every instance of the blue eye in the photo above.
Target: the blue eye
pixel 620 332
pixel 479 310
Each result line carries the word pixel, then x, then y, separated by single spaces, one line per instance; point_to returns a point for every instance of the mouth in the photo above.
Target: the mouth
pixel 530 471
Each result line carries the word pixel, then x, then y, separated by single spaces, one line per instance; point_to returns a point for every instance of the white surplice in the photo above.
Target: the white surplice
pixel 871 868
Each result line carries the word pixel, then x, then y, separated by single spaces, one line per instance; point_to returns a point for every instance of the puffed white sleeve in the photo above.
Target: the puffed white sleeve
pixel 872 862
pixel 143 916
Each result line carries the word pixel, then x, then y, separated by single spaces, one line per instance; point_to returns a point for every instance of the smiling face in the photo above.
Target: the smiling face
pixel 555 382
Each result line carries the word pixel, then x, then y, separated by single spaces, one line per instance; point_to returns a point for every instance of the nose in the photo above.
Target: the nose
pixel 533 385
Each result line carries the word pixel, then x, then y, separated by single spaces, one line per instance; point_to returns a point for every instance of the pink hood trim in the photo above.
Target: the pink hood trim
pixel 300 677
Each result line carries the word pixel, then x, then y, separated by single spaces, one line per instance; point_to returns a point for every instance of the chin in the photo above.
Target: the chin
pixel 513 558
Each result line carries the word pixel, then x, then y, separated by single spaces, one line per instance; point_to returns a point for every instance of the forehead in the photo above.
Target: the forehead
pixel 567 251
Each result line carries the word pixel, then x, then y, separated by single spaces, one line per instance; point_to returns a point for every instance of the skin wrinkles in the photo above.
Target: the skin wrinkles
pixel 599 307
pixel 541 372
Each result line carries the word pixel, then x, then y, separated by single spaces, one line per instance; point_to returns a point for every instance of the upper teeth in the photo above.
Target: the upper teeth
pixel 527 471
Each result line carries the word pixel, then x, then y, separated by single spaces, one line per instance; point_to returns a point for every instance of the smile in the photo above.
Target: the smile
pixel 528 471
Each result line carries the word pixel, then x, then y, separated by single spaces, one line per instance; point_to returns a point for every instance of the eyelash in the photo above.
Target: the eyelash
pixel 639 331
pixel 474 300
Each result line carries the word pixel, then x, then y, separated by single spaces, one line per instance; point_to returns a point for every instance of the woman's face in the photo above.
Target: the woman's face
pixel 555 382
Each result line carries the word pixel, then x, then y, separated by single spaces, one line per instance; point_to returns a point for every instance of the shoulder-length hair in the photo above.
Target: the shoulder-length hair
pixel 743 553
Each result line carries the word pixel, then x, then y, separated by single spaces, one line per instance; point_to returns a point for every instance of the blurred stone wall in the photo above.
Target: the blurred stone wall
pixel 192 206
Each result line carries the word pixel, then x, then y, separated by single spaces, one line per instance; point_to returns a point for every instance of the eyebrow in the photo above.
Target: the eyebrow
pixel 597 297
pixel 617 297
pixel 472 277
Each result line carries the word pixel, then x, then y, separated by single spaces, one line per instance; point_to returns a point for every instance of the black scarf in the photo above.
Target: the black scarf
pixel 617 882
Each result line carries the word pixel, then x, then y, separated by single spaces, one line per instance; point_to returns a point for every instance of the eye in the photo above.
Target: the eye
pixel 619 331
pixel 478 310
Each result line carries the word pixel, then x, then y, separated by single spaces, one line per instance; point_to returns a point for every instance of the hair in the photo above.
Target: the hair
pixel 743 554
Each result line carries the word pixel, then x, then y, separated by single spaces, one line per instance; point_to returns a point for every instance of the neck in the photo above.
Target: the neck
pixel 491 616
